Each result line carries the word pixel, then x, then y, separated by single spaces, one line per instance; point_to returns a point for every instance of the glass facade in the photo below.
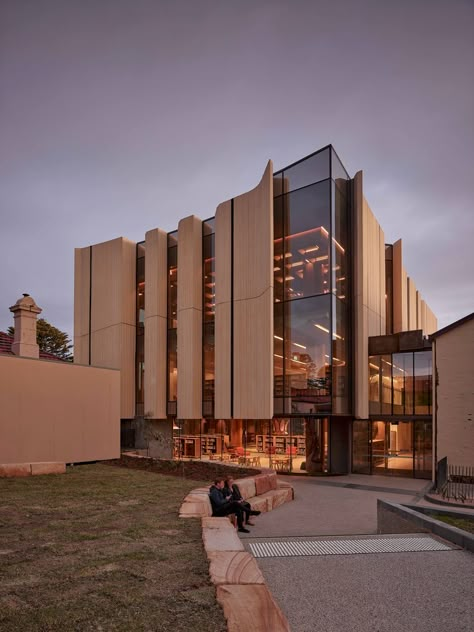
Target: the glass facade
pixel 172 338
pixel 140 331
pixel 209 308
pixel 399 442
pixel 400 384
pixel 312 280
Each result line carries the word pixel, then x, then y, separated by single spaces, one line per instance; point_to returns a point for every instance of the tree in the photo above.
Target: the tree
pixel 51 339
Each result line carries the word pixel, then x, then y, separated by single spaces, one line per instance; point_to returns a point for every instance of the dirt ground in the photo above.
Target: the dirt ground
pixel 192 470
pixel 102 548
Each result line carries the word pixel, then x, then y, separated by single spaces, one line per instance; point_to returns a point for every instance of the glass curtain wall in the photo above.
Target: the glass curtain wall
pixel 400 383
pixel 209 306
pixel 180 447
pixel 140 331
pixel 400 444
pixel 311 316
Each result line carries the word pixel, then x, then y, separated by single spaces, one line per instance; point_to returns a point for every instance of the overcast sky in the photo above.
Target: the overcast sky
pixel 118 116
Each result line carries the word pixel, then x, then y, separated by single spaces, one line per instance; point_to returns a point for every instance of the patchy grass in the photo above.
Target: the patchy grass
pixel 465 524
pixel 102 548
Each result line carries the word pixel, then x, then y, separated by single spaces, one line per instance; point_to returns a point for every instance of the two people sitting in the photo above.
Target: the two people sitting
pixel 226 499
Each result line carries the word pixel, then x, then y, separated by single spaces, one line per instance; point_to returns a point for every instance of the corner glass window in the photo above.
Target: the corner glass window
pixel 308 171
pixel 304 262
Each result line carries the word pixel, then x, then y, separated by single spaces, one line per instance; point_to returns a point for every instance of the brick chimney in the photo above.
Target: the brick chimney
pixel 25 312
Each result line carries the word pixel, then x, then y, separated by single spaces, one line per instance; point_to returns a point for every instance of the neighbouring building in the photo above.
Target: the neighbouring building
pixel 246 335
pixel 52 412
pixel 453 401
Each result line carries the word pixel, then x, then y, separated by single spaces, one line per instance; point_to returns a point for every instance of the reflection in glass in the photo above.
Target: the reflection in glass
pixel 172 287
pixel 423 448
pixel 338 171
pixel 140 330
pixel 339 244
pixel 307 354
pixel 208 370
pixel 307 171
pixel 386 384
pixel 423 382
pixel 209 303
pixel 340 358
pixel 172 366
pixel 375 383
pixel 278 355
pixel 301 262
pixel 402 376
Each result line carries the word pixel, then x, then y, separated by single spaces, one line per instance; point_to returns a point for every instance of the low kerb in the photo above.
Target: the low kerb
pixel 241 590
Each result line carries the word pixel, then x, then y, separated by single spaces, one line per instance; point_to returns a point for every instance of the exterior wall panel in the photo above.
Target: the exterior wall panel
pixel 113 314
pixel 253 301
pixel 156 249
pixel 455 394
pixel 411 291
pixel 190 318
pixel 369 291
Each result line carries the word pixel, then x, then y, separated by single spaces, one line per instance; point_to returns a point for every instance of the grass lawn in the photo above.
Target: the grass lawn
pixel 460 523
pixel 102 548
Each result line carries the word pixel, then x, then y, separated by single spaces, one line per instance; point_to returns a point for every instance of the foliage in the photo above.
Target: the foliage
pixel 51 339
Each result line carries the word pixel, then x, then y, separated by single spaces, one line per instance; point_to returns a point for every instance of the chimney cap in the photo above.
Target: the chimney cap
pixel 26 303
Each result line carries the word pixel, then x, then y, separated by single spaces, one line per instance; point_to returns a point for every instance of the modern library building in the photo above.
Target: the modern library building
pixel 281 332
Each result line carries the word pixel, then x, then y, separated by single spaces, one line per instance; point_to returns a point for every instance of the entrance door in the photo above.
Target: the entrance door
pixel 392 448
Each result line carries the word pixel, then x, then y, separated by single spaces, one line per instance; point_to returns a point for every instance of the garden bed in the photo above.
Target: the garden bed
pixel 189 470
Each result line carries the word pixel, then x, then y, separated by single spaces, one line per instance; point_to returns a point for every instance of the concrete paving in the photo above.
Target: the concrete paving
pixel 384 592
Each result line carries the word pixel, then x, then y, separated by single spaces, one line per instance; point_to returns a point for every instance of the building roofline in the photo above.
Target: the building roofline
pixel 454 325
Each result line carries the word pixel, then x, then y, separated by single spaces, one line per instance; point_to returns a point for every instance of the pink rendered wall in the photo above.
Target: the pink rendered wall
pixel 56 411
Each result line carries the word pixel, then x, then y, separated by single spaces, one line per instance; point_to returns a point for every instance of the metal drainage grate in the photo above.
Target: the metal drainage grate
pixel 347 547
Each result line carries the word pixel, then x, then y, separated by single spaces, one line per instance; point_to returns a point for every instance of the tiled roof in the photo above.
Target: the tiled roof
pixel 6 342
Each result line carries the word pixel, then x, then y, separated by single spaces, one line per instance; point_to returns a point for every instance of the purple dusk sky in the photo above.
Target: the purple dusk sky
pixel 118 116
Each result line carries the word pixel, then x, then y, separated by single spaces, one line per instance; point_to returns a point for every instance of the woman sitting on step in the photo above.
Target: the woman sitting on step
pixel 232 489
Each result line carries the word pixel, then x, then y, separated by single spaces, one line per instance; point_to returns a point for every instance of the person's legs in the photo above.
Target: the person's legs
pixel 232 508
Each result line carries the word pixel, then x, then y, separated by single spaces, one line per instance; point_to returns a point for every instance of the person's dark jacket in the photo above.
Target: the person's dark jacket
pixel 234 492
pixel 218 499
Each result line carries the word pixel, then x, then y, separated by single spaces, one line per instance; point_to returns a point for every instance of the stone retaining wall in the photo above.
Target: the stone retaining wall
pixel 8 470
pixel 394 518
pixel 240 586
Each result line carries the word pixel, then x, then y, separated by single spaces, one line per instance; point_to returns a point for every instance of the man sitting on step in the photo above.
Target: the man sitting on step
pixel 224 505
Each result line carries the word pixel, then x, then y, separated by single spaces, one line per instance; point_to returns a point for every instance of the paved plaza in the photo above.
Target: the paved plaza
pixel 424 591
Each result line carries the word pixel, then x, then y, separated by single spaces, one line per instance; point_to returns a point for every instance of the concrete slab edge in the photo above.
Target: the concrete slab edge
pixel 432 498
pixel 422 523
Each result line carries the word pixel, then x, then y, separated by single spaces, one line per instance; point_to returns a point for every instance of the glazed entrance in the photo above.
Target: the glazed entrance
pixel 311 445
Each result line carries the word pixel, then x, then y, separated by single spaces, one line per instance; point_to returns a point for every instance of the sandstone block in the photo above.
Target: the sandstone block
pixel 247 487
pixel 194 510
pixel 217 523
pixel 221 540
pixel 260 503
pixel 15 469
pixel 48 468
pixel 265 482
pixel 251 607
pixel 237 567
pixel 277 497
